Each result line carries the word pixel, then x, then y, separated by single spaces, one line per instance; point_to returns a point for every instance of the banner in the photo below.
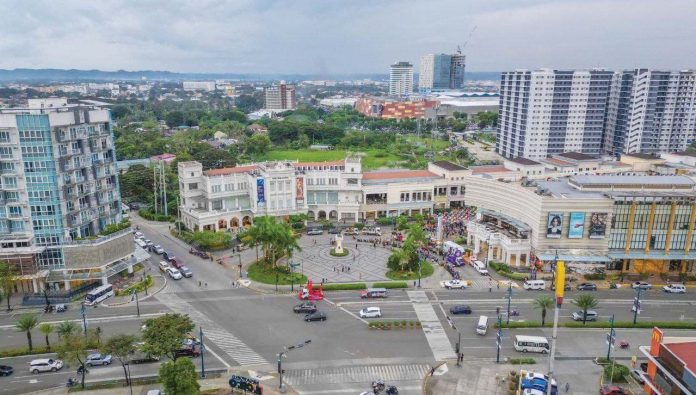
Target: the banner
pixel 598 225
pixel 260 191
pixel 299 190
pixel 554 225
pixel 576 225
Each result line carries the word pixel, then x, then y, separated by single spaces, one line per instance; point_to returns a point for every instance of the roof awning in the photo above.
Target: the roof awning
pixel 659 255
pixel 576 256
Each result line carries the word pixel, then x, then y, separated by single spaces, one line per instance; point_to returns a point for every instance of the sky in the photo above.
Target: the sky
pixel 325 37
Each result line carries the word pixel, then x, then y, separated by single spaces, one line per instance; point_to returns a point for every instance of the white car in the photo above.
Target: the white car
pixel 371 312
pixel 675 288
pixel 45 365
pixel 159 250
pixel 641 285
pixel 452 284
pixel 508 284
pixel 174 273
pixel 139 235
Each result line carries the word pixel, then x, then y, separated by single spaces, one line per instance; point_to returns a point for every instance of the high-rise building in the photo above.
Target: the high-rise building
pixel 651 111
pixel 208 86
pixel 401 79
pixel 59 193
pixel 280 97
pixel 441 71
pixel 547 112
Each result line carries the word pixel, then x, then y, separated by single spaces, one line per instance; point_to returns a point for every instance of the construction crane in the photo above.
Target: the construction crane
pixel 459 49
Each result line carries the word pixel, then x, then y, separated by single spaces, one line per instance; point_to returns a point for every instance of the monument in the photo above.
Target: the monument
pixel 338 247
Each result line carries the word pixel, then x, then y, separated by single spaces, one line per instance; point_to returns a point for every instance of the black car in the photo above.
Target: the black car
pixel 305 307
pixel 6 370
pixel 460 309
pixel 587 287
pixel 334 231
pixel 316 316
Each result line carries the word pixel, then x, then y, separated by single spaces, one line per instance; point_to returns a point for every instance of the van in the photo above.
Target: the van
pixel 482 325
pixel 535 285
pixel 480 267
pixel 371 312
pixel 374 293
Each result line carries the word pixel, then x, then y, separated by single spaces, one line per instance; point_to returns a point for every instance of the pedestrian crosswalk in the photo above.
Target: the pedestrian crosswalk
pixel 434 332
pixel 230 344
pixel 355 374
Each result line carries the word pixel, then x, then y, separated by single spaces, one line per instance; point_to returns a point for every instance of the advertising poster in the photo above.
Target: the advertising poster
pixel 260 191
pixel 554 225
pixel 598 225
pixel 299 190
pixel 576 225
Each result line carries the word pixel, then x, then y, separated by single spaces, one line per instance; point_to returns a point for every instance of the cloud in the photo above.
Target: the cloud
pixel 335 36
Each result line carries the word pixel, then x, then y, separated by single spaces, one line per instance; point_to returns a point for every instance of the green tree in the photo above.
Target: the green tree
pixel 26 323
pixel 74 349
pixel 120 347
pixel 277 239
pixel 7 279
pixel 66 328
pixel 46 329
pixel 164 335
pixel 543 302
pixel 585 302
pixel 257 144
pixel 179 377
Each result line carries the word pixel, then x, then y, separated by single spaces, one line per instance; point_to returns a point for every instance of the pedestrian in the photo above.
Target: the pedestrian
pixel 199 283
pixel 356 246
pixel 490 288
pixel 567 387
pixel 414 283
pixel 206 285
pixel 497 284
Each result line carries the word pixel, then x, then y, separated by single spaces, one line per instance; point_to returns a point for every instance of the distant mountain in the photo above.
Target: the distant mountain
pixel 73 75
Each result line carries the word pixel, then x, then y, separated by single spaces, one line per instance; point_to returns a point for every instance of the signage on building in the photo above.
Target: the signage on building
pixel 299 190
pixel 554 225
pixel 598 225
pixel 576 225
pixel 260 191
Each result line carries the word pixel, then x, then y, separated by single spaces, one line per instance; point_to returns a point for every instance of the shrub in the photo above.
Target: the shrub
pixel 149 215
pixel 615 372
pixel 113 228
pixel 341 287
pixel 138 287
pixel 207 240
pixel 384 221
pixel 334 253
pixel 359 226
pixel 391 285
pixel 522 361
pixel 595 276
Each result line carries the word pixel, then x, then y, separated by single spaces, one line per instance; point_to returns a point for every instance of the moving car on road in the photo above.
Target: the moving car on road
pixel 454 284
pixel 45 365
pixel 305 307
pixel 371 312
pixel 641 285
pixel 587 287
pixel 193 351
pixel 6 370
pixel 591 315
pixel 460 309
pixel 674 288
pixel 174 273
pixel 535 285
pixel 316 316
pixel 98 360
pixel 315 232
pixel 612 390
pixel 185 271
pixel 159 250
pixel 374 293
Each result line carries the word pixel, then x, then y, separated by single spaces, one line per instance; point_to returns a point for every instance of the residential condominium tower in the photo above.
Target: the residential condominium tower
pixel 401 79
pixel 280 97
pixel 441 71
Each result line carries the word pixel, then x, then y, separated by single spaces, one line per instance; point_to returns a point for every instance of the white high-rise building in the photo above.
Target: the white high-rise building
pixel 441 71
pixel 401 79
pixel 208 86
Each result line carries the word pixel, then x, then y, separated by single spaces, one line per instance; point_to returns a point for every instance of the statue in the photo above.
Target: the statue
pixel 338 244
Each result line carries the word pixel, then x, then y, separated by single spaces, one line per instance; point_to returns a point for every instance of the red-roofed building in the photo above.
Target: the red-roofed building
pixel 394 110
pixel 166 158
pixel 671 364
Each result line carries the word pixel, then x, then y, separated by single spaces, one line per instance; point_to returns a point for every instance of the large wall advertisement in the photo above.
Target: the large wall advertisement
pixel 299 190
pixel 554 225
pixel 576 225
pixel 598 225
pixel 260 191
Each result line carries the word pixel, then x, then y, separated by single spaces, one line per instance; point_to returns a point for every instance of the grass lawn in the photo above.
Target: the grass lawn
pixel 425 142
pixel 258 273
pixel 426 271
pixel 372 158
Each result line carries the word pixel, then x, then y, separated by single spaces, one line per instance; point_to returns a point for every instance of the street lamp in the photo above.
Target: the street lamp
pixel 240 265
pixel 281 355
pixel 636 305
pixel 129 379
pixel 84 318
pixel 488 247
pixel 498 338
pixel 137 303
pixel 509 298
pixel 459 339
pixel 200 332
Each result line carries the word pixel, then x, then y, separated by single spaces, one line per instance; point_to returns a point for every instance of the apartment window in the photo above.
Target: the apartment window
pixel 4 137
pixel 217 188
pixel 352 181
pixel 5 152
pixel 192 186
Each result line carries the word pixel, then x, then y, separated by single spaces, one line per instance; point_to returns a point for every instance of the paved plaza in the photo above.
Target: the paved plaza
pixel 364 262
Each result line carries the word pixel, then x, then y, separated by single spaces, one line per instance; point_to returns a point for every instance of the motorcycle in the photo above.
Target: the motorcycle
pixel 71 382
pixel 514 313
pixel 378 385
pixel 391 390
pixel 623 344
pixel 612 286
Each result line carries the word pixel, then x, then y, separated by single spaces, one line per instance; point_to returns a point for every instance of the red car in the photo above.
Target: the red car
pixel 612 390
pixel 175 263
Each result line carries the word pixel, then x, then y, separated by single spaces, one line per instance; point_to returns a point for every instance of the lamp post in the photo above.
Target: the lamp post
pixel 202 349
pixel 281 355
pixel 636 305
pixel 84 318
pixel 488 246
pixel 560 293
pixel 459 339
pixel 611 337
pixel 509 298
pixel 240 265
pixel 137 303
pixel 130 380
pixel 498 338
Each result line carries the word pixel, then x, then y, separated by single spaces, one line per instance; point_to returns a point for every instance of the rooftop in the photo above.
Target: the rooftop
pixel 642 156
pixel 558 162
pixel 331 163
pixel 685 351
pixel 447 165
pixel 397 175
pixel 577 156
pixel 623 180
pixel 524 161
pixel 229 170
pixel 562 189
pixel 489 169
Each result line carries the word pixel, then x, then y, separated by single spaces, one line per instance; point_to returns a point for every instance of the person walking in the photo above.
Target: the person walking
pixel 567 387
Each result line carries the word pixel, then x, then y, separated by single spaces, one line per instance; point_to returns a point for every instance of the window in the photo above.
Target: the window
pixel 352 181
pixel 217 188
pixel 193 186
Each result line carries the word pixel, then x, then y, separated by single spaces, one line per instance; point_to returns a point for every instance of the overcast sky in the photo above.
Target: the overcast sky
pixel 324 37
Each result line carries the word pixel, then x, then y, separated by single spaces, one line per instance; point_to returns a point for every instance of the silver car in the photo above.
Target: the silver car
pixel 97 359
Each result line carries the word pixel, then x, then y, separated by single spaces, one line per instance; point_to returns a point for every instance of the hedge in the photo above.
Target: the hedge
pixel 334 253
pixel 393 324
pixel 595 276
pixel 391 284
pixel 113 228
pixel 604 324
pixel 341 287
pixel 522 361
pixel 16 352
pixel 149 215
pixel 523 324
pixel 615 372
pixel 208 240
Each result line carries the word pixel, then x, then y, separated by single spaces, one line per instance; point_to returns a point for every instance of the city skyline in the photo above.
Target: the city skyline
pixel 245 36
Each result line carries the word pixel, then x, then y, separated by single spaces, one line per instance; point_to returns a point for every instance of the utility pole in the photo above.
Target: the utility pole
pixel 509 298
pixel 281 387
pixel 84 318
pixel 611 337
pixel 560 292
pixel 499 338
pixel 636 305
pixel 163 180
pixel 137 304
pixel 459 339
pixel 202 349
pixel 154 186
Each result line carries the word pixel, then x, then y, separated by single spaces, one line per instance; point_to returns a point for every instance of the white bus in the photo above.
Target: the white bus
pixel 98 294
pixel 531 344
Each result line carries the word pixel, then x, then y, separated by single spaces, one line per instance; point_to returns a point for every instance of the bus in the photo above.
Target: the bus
pixel 531 344
pixel 98 294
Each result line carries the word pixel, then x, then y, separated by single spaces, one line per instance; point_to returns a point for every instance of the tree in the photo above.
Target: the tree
pixel 66 328
pixel 277 239
pixel 74 349
pixel 7 279
pixel 164 335
pixel 179 377
pixel 174 118
pixel 543 302
pixel 585 302
pixel 46 329
pixel 257 144
pixel 120 347
pixel 26 323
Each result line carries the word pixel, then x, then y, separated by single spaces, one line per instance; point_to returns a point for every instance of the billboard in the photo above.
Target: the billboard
pixel 299 190
pixel 260 191
pixel 598 225
pixel 554 225
pixel 576 225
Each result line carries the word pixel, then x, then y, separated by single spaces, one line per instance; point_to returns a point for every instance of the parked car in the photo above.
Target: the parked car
pixel 637 374
pixel 175 263
pixel 316 316
pixel 334 231
pixel 371 312
pixel 641 285
pixel 675 288
pixel 305 307
pixel 45 365
pixel 566 287
pixel 149 243
pixel 452 284
pixel 537 384
pixel 61 308
pixel 98 359
pixel 460 309
pixel 175 274
pixel 163 266
pixel 609 389
pixel 587 287
pixel 158 249
pixel 535 375
pixel 139 235
pixel 591 315
pixel 315 232
pixel 194 351
pixel 6 370
pixel 185 271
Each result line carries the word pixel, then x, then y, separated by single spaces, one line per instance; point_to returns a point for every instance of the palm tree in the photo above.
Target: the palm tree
pixel 46 328
pixel 26 323
pixel 543 302
pixel 585 302
pixel 65 329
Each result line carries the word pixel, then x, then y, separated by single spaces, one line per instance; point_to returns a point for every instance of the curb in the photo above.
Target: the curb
pixel 139 299
pixel 426 379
